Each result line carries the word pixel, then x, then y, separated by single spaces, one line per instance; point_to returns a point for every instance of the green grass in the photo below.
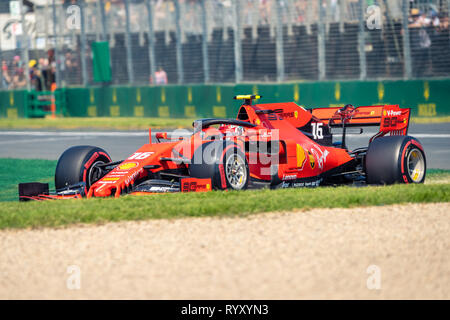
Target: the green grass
pixel 127 123
pixel 14 214
pixel 14 171
pixel 105 123
pixel 437 174
pixel 216 203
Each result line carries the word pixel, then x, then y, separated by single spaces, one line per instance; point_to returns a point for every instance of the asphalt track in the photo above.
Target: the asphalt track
pixel 48 144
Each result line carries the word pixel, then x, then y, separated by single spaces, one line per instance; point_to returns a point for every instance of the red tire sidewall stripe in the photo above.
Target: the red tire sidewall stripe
pixel 223 181
pixel 221 166
pixel 418 145
pixel 88 163
pixel 402 161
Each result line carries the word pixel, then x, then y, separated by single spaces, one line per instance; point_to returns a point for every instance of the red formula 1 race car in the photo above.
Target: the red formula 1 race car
pixel 277 145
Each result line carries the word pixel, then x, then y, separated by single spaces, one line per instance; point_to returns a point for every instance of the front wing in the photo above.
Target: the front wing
pixel 40 191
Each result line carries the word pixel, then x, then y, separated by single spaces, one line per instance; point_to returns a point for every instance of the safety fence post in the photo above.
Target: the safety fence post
pixel 84 76
pixel 321 41
pixel 406 43
pixel 101 7
pixel 25 55
pixel 279 43
pixel 205 42
pixel 56 51
pixel 151 39
pixel 130 70
pixel 237 42
pixel 362 42
pixel 179 48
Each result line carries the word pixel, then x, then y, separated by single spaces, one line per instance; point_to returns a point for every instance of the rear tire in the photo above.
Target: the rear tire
pixel 395 159
pixel 78 164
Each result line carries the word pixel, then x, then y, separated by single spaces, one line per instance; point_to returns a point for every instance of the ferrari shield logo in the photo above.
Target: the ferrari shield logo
pixel 312 162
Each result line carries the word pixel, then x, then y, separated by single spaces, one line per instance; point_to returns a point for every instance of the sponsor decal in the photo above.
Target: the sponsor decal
pixel 110 179
pixel 286 115
pixel 391 113
pixel 265 134
pixel 285 184
pixel 133 176
pixel 127 166
pixel 309 184
pixel 313 184
pixel 278 114
pixel 363 112
pixel 194 185
pixel 321 156
pixel 117 173
pixel 289 176
pixel 159 189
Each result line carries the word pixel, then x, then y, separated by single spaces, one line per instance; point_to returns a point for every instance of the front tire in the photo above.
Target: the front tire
pixel 79 164
pixel 395 159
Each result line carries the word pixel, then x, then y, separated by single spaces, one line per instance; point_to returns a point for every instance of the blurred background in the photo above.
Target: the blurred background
pixel 220 41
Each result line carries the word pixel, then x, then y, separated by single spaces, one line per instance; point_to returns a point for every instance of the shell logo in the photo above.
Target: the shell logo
pixel 384 113
pixel 296 114
pixel 110 179
pixel 127 166
pixel 208 187
pixel 258 122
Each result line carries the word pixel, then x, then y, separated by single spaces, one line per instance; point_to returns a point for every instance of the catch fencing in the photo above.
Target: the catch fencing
pixel 224 41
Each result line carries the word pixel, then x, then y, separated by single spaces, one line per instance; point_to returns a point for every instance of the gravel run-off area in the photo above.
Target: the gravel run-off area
pixel 400 251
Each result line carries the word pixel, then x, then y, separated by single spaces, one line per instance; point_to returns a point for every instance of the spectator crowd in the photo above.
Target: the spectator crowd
pixel 41 72
pixel 428 30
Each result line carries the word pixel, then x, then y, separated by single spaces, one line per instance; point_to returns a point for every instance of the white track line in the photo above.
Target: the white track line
pixel 38 140
pixel 179 133
pixel 417 135
pixel 71 134
pixel 83 133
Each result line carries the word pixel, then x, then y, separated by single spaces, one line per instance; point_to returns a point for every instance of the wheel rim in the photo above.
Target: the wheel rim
pixel 95 173
pixel 236 171
pixel 416 165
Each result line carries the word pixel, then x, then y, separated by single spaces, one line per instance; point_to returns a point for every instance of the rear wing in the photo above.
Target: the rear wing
pixel 391 118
